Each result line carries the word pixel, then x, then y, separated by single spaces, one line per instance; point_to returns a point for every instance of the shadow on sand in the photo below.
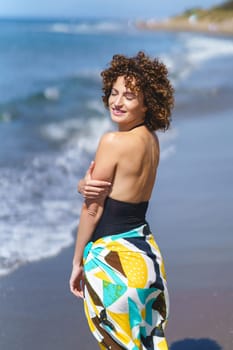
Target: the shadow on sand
pixel 195 344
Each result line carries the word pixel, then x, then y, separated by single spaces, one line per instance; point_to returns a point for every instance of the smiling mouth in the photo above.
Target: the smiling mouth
pixel 117 111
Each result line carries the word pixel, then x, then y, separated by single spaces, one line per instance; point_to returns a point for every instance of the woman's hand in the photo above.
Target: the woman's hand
pixel 93 189
pixel 77 281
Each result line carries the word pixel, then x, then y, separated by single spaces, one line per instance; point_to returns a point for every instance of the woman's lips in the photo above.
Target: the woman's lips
pixel 117 111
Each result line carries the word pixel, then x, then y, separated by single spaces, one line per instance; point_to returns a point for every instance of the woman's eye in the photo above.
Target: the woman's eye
pixel 129 96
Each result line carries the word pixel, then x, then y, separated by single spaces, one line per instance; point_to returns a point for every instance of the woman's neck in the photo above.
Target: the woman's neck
pixel 132 127
pixel 137 125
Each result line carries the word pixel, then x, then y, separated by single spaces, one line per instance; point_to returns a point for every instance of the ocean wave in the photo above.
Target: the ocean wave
pixel 192 51
pixel 32 243
pixel 88 27
pixel 79 135
pixel 39 211
pixel 60 131
pixel 52 93
pixel 201 49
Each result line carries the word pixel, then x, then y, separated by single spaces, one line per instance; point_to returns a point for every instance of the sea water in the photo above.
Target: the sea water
pixel 52 116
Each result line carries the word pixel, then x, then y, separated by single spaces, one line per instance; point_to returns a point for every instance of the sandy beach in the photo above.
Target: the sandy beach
pixel 184 25
pixel 217 20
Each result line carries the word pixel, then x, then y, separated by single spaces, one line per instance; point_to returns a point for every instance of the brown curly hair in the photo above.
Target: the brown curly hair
pixel 151 78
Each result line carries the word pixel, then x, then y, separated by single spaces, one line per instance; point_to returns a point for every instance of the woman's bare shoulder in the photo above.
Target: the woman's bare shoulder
pixel 112 138
pixel 109 146
pixel 122 141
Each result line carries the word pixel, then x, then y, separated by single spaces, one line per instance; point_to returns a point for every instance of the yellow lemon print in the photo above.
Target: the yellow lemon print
pixel 135 268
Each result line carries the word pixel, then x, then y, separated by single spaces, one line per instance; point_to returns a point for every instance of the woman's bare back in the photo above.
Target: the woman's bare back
pixel 136 166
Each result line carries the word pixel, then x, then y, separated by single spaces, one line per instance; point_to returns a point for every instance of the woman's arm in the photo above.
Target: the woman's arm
pixel 93 189
pixel 106 164
pixel 89 217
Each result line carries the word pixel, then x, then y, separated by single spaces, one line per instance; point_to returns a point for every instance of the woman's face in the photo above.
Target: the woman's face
pixel 126 106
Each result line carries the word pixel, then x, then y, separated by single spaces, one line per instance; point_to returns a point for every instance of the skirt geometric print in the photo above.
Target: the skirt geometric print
pixel 125 296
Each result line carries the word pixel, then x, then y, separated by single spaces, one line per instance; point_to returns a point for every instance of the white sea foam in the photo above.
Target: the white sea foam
pixel 37 214
pixel 61 28
pixel 54 132
pixel 30 243
pixel 61 131
pixel 201 49
pixel 88 27
pixel 80 135
pixel 88 140
pixel 52 93
pixel 192 51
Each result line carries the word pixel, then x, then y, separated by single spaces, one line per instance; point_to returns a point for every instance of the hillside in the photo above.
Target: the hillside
pixel 216 20
pixel 215 14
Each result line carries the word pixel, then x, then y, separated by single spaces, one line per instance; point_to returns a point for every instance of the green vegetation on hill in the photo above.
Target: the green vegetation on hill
pixel 215 20
pixel 228 5
pixel 216 14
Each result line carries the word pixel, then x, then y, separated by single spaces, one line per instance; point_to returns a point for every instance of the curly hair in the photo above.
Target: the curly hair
pixel 150 76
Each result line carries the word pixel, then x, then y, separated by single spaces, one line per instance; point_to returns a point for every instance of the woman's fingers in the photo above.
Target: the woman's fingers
pixel 77 281
pixel 95 188
pixel 77 293
pixel 77 288
pixel 98 183
pixel 92 189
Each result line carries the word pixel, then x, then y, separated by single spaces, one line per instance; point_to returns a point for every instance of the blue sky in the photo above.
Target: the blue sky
pixel 130 9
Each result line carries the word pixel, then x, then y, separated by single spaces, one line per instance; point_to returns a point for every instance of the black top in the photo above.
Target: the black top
pixel 120 217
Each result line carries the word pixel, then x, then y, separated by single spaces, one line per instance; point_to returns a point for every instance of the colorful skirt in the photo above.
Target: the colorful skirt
pixel 125 296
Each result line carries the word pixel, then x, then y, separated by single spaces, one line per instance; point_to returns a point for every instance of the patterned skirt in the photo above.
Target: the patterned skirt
pixel 125 296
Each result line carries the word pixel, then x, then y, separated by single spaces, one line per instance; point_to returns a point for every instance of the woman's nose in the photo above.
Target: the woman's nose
pixel 118 100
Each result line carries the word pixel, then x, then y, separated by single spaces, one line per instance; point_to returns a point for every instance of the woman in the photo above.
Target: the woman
pixel 117 266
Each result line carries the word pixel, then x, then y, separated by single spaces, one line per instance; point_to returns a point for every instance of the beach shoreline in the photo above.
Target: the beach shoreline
pixel 184 25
